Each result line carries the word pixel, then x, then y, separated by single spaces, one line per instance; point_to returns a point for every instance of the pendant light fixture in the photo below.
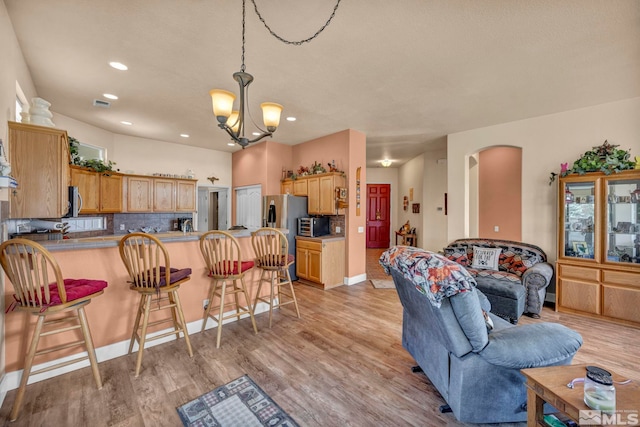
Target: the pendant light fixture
pixel 234 121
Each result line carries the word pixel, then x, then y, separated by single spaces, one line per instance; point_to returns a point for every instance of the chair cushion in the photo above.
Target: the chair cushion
pixel 224 267
pixel 272 261
pixel 175 276
pixel 75 289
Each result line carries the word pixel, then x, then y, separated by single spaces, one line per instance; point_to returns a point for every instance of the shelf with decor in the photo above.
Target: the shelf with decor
pixel 598 265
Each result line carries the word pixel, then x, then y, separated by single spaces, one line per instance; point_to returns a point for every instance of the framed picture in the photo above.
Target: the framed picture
pixel 581 248
pixel 415 207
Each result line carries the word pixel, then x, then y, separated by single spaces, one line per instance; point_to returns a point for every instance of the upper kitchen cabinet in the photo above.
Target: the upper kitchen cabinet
pixel 186 196
pixel 39 158
pixel 319 188
pixel 101 192
pixel 159 194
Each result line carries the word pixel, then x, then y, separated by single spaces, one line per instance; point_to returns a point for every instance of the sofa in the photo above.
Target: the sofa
pixel 473 361
pixel 516 284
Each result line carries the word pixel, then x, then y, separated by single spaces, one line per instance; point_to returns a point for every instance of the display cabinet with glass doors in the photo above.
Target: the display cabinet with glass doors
pixel 598 265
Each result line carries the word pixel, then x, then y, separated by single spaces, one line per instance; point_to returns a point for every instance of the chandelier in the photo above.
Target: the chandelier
pixel 233 121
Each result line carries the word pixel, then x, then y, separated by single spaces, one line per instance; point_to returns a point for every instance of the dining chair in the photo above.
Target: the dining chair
pixel 150 274
pixel 58 303
pixel 223 257
pixel 272 257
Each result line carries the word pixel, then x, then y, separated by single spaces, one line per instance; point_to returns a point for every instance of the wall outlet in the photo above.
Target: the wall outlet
pixel 496 228
pixel 205 304
pixel 360 229
pixel 121 226
pixel 338 229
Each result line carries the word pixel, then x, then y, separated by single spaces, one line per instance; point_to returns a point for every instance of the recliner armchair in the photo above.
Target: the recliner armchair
pixel 476 370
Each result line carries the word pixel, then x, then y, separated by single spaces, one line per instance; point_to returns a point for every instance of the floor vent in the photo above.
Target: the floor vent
pixel 101 103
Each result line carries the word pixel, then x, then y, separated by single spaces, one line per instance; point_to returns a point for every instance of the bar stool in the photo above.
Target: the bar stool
pixel 223 257
pixel 147 261
pixel 272 256
pixel 41 290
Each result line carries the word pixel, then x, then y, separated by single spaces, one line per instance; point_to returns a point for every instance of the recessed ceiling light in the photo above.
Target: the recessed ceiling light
pixel 231 144
pixel 291 119
pixel 118 66
pixel 109 96
pixel 124 122
pixel 184 135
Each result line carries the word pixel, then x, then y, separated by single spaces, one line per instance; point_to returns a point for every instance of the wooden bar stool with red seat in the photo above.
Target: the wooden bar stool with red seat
pixel 147 261
pixel 41 290
pixel 272 256
pixel 222 254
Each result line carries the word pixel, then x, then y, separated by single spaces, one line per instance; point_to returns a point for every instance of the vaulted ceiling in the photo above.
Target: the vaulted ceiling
pixel 406 72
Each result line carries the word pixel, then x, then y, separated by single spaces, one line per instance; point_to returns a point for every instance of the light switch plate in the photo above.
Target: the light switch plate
pixel 360 229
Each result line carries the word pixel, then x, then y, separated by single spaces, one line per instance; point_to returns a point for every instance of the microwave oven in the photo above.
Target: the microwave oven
pixel 75 203
pixel 313 227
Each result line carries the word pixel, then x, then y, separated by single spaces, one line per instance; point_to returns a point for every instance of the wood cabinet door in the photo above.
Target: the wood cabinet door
pixel 286 187
pixel 164 195
pixel 110 193
pixel 88 183
pixel 327 203
pixel 313 194
pixel 300 187
pixel 302 263
pixel 139 194
pixel 39 158
pixel 186 196
pixel 315 266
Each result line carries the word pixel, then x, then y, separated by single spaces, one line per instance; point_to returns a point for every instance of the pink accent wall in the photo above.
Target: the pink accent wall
pixel 500 193
pixel 262 164
pixel 112 314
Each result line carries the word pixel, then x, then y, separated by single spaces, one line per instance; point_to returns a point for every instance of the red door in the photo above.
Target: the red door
pixel 378 213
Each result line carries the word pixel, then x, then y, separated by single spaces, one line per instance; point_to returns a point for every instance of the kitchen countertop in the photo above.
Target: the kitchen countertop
pixel 112 240
pixel 327 238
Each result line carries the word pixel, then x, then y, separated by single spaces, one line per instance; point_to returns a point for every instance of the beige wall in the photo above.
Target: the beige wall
pixel 546 142
pixel 434 221
pixel 411 175
pixel 500 191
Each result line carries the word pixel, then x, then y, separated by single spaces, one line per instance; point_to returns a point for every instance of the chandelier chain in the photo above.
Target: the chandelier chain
pixel 298 42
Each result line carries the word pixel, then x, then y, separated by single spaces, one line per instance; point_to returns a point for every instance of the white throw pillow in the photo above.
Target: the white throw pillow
pixel 486 258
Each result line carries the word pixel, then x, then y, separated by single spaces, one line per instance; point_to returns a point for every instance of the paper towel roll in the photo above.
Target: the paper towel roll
pixel 47 225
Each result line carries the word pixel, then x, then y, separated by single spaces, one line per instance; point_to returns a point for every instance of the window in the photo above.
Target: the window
pixel 248 206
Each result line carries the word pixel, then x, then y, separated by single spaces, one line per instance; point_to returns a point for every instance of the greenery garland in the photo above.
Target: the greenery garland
pixel 605 158
pixel 95 164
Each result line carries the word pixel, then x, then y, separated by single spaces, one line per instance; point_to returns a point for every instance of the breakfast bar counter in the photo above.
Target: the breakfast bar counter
pixel 111 315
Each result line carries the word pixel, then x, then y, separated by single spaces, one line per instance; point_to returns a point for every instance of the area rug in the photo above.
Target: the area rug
pixel 382 284
pixel 238 403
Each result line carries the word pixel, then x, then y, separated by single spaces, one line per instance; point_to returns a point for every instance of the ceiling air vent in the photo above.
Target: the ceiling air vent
pixel 101 103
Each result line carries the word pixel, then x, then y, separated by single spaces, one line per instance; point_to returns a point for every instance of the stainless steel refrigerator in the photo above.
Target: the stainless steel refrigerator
pixel 283 211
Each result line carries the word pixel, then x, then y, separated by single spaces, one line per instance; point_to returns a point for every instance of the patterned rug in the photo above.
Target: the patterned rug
pixel 238 403
pixel 382 284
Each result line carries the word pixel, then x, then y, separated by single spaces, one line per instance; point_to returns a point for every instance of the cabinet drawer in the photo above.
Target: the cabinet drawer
pixel 306 244
pixel 580 273
pixel 621 303
pixel 579 295
pixel 621 278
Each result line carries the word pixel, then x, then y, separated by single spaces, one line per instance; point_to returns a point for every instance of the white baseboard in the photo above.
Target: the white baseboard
pixel 355 279
pixel 11 380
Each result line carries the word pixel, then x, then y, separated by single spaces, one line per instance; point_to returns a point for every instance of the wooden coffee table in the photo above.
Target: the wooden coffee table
pixel 550 385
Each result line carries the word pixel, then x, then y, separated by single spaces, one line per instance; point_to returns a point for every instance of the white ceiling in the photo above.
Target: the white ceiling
pixel 404 72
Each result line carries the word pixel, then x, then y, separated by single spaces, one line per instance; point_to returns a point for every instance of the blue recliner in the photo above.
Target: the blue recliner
pixel 476 370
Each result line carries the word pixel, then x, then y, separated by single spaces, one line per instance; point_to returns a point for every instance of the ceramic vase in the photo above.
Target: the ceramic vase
pixel 40 114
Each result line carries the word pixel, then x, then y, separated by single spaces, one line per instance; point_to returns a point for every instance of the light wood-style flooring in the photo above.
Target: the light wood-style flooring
pixel 342 364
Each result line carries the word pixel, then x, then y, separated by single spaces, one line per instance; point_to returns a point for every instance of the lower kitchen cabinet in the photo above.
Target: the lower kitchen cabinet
pixel 320 262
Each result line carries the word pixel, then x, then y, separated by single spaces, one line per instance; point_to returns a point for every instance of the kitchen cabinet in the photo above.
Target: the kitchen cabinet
pixel 139 194
pixel 598 265
pixel 88 183
pixel 159 194
pixel 164 199
pixel 111 189
pixel 320 190
pixel 101 192
pixel 39 158
pixel 320 261
pixel 185 196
